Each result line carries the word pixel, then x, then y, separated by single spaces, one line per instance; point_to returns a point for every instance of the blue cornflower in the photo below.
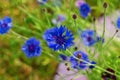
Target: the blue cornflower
pixel 32 47
pixel 5 25
pixel 77 64
pixel 63 57
pixel 60 18
pixel 92 66
pixel 100 39
pixel 85 10
pixel 59 38
pixel 118 22
pixel 42 1
pixel 88 37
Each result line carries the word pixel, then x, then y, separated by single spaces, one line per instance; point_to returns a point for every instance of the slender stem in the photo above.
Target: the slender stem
pixel 71 2
pixel 100 43
pixel 94 26
pixel 95 50
pixel 67 75
pixel 75 22
pixel 18 35
pixel 104 47
pixel 61 76
pixel 93 65
pixel 77 75
pixel 108 43
pixel 104 25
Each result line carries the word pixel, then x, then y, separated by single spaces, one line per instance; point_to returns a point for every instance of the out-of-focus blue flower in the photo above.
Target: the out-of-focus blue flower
pixel 88 37
pixel 118 22
pixel 63 57
pixel 5 25
pixel 92 66
pixel 59 19
pixel 100 39
pixel 32 47
pixel 85 10
pixel 78 3
pixel 77 64
pixel 42 1
pixel 59 38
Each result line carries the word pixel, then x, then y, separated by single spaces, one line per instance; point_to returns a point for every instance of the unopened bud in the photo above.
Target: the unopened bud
pixel 94 19
pixel 68 69
pixel 105 5
pixel 116 31
pixel 74 16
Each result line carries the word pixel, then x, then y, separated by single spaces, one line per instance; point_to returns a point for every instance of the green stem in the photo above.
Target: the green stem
pixel 26 11
pixel 75 23
pixel 95 51
pixel 61 76
pixel 48 19
pixel 104 25
pixel 94 26
pixel 104 47
pixel 100 43
pixel 93 65
pixel 111 39
pixel 18 35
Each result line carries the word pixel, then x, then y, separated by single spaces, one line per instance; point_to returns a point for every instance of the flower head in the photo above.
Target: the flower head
pixel 88 37
pixel 63 57
pixel 118 23
pixel 92 66
pixel 85 10
pixel 100 39
pixel 32 47
pixel 59 19
pixel 42 1
pixel 77 63
pixel 5 25
pixel 59 38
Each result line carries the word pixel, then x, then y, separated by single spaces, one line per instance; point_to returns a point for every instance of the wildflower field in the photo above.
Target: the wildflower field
pixel 59 40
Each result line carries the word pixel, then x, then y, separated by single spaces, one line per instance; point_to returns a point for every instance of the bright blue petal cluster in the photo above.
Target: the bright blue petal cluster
pixel 118 23
pixel 32 47
pixel 92 66
pixel 85 10
pixel 63 57
pixel 42 1
pixel 79 64
pixel 88 37
pixel 59 38
pixel 5 25
pixel 100 39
